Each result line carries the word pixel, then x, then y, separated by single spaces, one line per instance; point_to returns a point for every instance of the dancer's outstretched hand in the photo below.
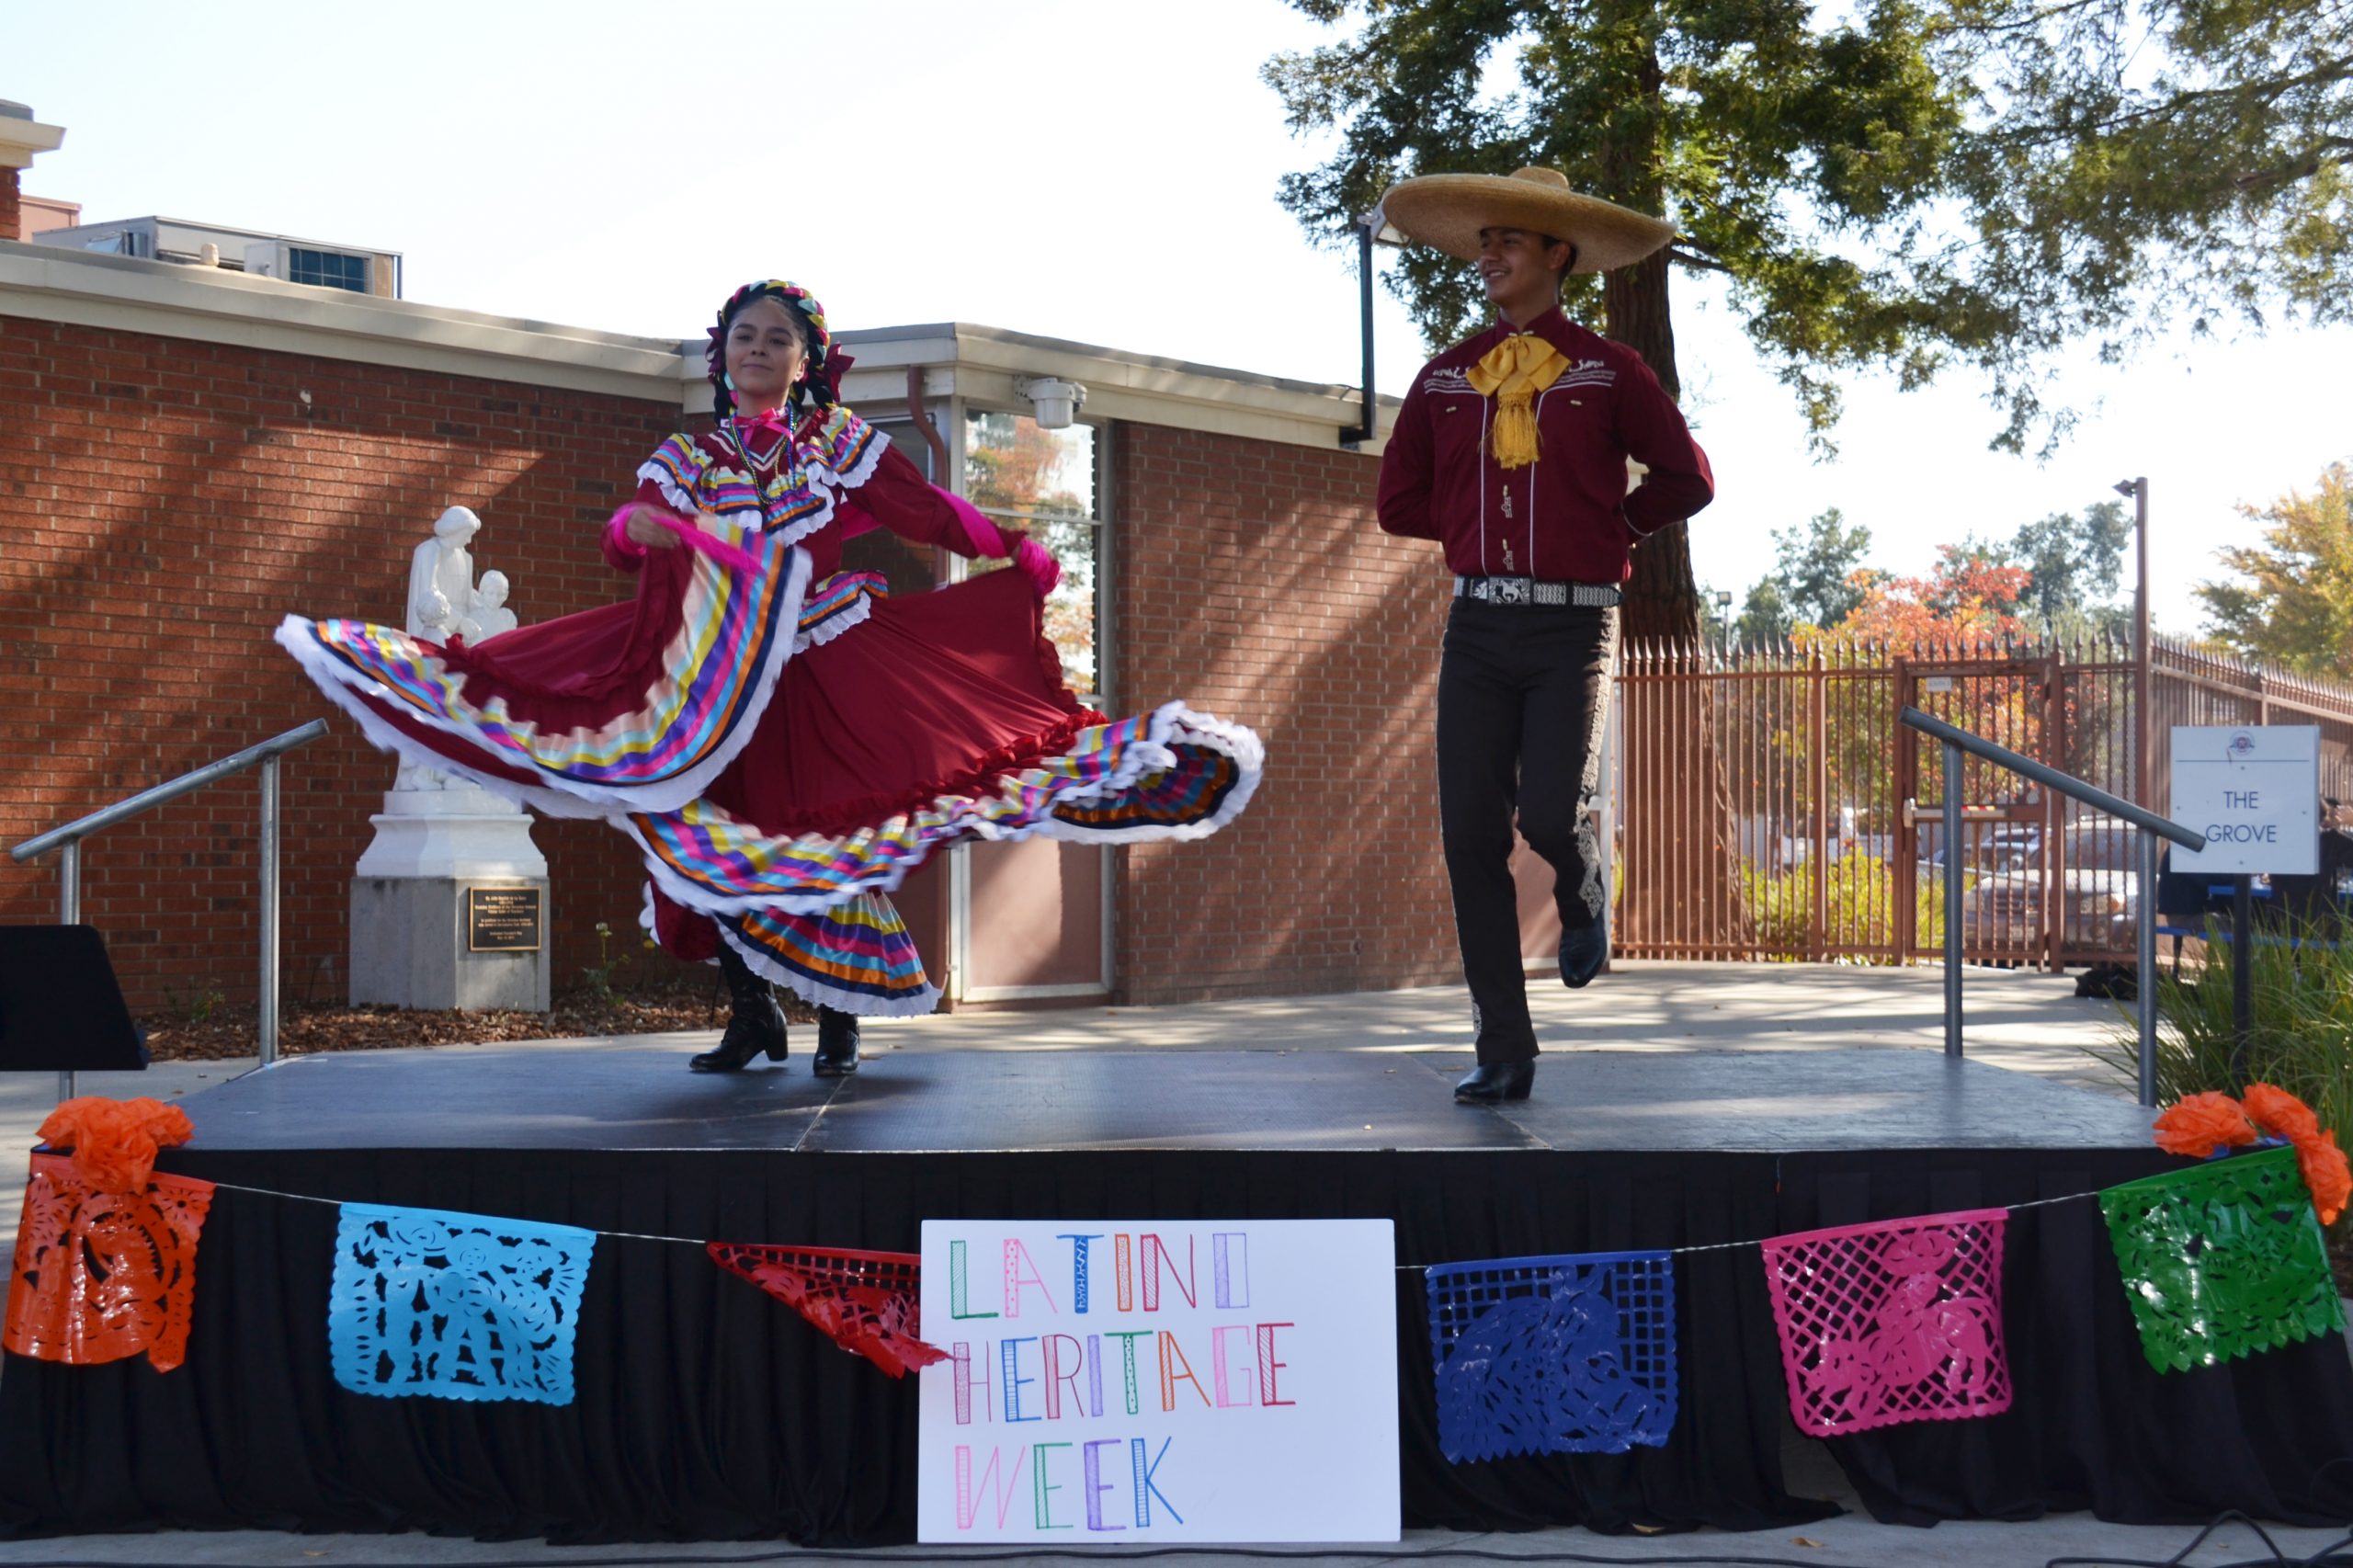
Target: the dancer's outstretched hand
pixel 642 525
pixel 1044 569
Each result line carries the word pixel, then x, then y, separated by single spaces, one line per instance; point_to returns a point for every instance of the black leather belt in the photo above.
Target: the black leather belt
pixel 1529 591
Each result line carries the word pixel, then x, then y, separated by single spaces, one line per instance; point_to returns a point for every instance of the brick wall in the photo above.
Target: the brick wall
pixel 166 502
pixel 1253 583
pixel 12 212
pixel 163 504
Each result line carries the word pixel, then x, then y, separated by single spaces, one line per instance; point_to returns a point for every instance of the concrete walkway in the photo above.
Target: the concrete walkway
pixel 2021 1021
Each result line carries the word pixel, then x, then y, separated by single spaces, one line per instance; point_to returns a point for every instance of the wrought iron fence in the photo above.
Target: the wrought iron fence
pixel 1771 806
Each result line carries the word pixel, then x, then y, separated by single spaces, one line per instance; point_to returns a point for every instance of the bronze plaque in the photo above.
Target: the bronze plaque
pixel 503 920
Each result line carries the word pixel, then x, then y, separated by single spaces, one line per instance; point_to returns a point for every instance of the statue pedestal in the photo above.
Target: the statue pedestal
pixel 449 904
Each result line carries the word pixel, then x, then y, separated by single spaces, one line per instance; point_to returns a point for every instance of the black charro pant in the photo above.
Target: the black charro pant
pixel 1523 691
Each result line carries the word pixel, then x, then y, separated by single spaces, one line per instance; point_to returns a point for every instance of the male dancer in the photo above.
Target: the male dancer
pixel 1514 450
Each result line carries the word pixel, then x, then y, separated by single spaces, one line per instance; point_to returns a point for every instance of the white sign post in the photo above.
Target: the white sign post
pixel 2254 791
pixel 1142 1383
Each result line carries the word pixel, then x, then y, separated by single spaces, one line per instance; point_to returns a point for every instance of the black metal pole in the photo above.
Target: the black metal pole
pixel 1365 431
pixel 2241 974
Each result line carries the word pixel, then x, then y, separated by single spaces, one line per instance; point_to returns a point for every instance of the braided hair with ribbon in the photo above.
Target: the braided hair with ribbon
pixel 821 386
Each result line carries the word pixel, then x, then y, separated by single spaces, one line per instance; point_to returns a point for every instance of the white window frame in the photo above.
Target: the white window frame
pixel 960 863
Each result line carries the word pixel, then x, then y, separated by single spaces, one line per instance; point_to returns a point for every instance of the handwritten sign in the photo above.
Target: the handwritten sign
pixel 1135 1383
pixel 2254 791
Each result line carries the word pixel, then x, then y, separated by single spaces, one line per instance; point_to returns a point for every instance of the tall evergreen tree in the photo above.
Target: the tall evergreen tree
pixel 1909 184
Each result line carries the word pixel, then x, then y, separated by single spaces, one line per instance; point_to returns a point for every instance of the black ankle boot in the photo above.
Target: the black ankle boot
pixel 756 1024
pixel 1492 1081
pixel 837 1044
pixel 1585 953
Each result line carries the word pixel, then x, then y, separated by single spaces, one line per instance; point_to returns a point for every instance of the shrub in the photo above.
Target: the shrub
pixel 1861 907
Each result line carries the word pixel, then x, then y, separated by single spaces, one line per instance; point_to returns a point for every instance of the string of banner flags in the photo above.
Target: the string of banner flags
pixel 1892 1321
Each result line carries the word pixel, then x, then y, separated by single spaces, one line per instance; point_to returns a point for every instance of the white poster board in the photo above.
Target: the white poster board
pixel 2254 791
pixel 1146 1382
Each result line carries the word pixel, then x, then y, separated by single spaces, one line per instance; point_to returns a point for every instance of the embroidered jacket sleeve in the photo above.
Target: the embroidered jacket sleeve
pixel 1652 430
pixel 1403 502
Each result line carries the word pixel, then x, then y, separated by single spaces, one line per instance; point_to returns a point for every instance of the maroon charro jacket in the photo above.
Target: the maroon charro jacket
pixel 1567 516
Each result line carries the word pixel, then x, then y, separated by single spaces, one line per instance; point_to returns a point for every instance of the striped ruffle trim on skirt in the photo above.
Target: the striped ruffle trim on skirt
pixel 1170 774
pixel 856 956
pixel 734 635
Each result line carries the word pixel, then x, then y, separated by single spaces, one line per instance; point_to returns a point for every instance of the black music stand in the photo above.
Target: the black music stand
pixel 60 1010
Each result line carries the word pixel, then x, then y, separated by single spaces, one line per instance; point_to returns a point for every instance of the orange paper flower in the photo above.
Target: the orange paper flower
pixel 115 1141
pixel 2323 1164
pixel 2196 1125
pixel 2281 1114
pixel 2328 1172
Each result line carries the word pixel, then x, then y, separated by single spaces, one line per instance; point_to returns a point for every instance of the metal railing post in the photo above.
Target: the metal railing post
pixel 2144 989
pixel 1952 900
pixel 69 913
pixel 266 1003
pixel 2151 827
pixel 67 842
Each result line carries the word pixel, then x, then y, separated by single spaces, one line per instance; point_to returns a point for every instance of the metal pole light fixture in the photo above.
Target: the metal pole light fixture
pixel 1372 229
pixel 1053 403
pixel 2144 954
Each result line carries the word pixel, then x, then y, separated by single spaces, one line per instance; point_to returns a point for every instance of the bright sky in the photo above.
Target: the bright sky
pixel 1100 170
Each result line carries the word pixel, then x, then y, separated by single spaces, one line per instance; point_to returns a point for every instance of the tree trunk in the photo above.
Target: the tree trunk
pixel 1704 914
pixel 1662 600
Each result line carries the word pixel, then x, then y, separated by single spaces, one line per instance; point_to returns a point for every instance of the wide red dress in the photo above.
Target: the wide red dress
pixel 785 741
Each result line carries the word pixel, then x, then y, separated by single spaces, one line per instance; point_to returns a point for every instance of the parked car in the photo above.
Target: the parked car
pixel 2099 893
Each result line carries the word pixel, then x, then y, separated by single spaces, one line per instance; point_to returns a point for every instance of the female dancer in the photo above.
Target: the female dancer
pixel 784 741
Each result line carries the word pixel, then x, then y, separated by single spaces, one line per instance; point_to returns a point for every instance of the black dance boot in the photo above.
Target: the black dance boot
pixel 1492 1081
pixel 837 1044
pixel 1585 953
pixel 756 1024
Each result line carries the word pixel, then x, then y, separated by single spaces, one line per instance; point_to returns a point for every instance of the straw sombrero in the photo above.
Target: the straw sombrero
pixel 1449 210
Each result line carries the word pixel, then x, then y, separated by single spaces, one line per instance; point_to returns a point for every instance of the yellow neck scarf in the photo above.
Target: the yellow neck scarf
pixel 1512 373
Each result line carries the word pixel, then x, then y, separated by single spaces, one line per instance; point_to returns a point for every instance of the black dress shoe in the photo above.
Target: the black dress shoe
pixel 1583 951
pixel 837 1044
pixel 756 1024
pixel 1492 1081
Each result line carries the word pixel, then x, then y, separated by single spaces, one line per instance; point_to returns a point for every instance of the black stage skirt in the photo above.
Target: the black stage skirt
pixel 706 1411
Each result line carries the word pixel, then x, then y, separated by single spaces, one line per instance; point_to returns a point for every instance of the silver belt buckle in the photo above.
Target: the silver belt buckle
pixel 1531 591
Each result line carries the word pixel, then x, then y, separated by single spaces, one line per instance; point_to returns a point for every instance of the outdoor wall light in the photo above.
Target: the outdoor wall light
pixel 1056 403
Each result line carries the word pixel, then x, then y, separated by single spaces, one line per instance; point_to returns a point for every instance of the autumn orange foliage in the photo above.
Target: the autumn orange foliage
pixel 1963 600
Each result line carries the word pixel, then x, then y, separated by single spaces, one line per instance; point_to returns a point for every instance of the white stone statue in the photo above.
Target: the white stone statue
pixel 489 615
pixel 444 602
pixel 441 576
pixel 436 835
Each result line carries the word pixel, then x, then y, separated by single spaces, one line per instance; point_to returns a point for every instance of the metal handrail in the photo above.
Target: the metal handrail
pixel 2042 773
pixel 147 799
pixel 2151 827
pixel 67 842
